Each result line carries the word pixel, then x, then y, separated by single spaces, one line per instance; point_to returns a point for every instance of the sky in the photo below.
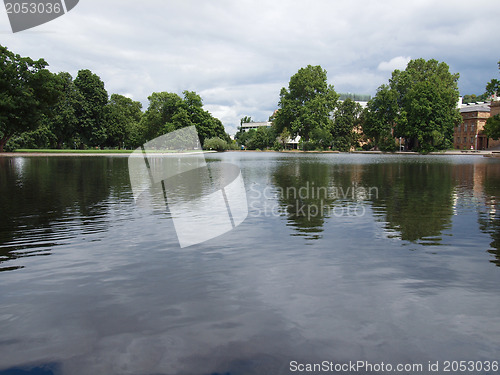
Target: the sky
pixel 237 55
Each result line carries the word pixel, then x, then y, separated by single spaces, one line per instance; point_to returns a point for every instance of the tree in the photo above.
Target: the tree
pixel 63 124
pixel 162 107
pixel 216 144
pixel 427 96
pixel 122 116
pixel 91 125
pixel 345 123
pixel 307 103
pixel 206 125
pixel 492 127
pixel 473 98
pixel 493 87
pixel 27 91
pixel 168 112
pixel 379 117
pixel 245 120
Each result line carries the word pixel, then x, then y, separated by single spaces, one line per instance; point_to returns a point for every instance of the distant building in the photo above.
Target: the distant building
pixel 469 135
pixel 247 126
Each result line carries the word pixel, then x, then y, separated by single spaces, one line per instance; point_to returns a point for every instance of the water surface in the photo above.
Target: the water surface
pixel 342 258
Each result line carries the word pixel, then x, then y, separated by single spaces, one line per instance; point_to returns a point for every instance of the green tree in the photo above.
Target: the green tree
pixel 245 120
pixel 492 127
pixel 64 123
pixel 345 123
pixel 206 125
pixel 168 112
pixel 122 116
pixel 427 96
pixel 216 144
pixel 27 91
pixel 379 117
pixel 162 107
pixel 493 87
pixel 474 98
pixel 91 112
pixel 307 104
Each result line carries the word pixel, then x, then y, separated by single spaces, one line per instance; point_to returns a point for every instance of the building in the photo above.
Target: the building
pixel 469 134
pixel 247 126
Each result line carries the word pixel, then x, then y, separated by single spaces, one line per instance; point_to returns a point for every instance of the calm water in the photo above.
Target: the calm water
pixel 342 258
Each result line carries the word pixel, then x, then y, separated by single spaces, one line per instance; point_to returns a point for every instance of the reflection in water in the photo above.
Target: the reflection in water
pixel 302 191
pixel 415 199
pixel 489 214
pixel 119 296
pixel 311 191
pixel 48 201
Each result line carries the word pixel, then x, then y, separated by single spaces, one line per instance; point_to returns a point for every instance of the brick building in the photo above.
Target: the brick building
pixel 469 134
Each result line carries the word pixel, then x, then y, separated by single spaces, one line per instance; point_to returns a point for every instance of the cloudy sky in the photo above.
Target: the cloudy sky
pixel 238 54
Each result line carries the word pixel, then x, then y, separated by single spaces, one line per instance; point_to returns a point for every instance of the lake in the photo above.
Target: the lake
pixel 389 259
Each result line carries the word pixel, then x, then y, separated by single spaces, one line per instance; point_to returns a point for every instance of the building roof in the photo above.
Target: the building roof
pixel 480 107
pixel 255 124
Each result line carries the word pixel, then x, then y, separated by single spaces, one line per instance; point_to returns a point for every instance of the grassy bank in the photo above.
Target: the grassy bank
pixel 52 151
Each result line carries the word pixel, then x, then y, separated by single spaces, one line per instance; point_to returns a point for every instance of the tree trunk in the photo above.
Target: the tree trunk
pixel 3 141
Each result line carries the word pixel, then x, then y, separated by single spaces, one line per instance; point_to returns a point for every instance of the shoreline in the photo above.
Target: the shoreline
pixel 490 153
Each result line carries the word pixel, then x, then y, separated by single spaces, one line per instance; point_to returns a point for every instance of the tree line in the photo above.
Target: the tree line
pixel 40 109
pixel 417 105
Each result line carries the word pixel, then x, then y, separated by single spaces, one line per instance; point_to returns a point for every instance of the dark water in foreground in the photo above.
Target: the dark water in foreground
pixel 342 258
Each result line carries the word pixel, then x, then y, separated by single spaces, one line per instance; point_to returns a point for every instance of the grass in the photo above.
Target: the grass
pixel 55 151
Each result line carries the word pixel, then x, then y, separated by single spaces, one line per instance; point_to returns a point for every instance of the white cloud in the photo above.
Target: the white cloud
pixel 398 62
pixel 238 55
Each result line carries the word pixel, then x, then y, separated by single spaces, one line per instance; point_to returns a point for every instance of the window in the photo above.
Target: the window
pixel 465 127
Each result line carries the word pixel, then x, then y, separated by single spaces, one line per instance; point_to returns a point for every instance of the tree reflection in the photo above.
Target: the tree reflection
pixel 301 192
pixel 47 201
pixel 310 191
pixel 416 199
pixel 489 214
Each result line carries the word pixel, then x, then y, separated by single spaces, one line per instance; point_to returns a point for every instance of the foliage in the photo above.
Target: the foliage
pixel 466 99
pixel 122 118
pixel 345 123
pixel 379 117
pixel 261 138
pixel 91 127
pixel 493 87
pixel 427 95
pixel 283 138
pixel 307 103
pixel 216 144
pixel 63 124
pixel 168 112
pixel 245 120
pixel 355 97
pixel 27 91
pixel 492 127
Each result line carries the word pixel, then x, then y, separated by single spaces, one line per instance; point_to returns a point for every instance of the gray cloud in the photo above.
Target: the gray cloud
pixel 238 55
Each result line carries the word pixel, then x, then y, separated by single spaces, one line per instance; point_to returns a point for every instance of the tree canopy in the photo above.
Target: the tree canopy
pixel 168 112
pixel 307 104
pixel 427 95
pixel 493 87
pixel 379 118
pixel 27 91
pixel 344 129
pixel 39 109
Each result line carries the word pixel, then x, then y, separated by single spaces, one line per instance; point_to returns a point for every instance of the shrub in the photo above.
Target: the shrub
pixel 216 144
